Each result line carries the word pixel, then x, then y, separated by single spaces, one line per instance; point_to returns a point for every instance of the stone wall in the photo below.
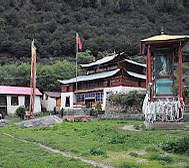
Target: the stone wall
pixel 131 117
pixel 122 117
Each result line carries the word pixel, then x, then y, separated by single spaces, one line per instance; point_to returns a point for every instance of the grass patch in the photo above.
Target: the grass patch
pixel 97 151
pixel 100 138
pixel 152 149
pixel 134 154
pixel 118 139
pixel 24 155
pixel 180 145
pixel 157 156
pixel 128 165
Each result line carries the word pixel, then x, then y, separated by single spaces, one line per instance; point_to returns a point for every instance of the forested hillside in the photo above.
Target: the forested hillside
pixel 103 25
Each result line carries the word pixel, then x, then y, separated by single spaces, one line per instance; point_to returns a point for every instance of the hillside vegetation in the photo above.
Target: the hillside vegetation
pixel 103 25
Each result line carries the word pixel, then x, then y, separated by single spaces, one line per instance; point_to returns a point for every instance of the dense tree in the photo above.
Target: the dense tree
pixel 103 25
pixel 47 75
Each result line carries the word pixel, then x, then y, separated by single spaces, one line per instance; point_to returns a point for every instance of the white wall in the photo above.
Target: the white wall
pixel 63 99
pixel 119 89
pixel 21 102
pixel 37 105
pixel 49 104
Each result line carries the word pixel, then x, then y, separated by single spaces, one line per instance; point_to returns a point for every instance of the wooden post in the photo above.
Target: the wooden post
pixel 149 64
pixel 147 73
pixel 180 72
pixel 150 71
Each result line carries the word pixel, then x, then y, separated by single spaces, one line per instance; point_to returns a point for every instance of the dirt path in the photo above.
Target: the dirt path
pixel 66 154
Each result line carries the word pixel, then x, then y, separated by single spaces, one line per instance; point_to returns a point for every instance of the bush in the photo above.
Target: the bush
pixel 97 151
pixel 152 149
pixel 98 107
pixel 180 146
pixel 21 112
pixel 77 120
pixel 93 112
pixel 128 165
pixel 134 154
pixel 118 139
pixel 128 103
pixel 156 156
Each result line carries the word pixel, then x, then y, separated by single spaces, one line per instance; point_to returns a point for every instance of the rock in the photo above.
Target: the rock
pixel 4 122
pixel 41 122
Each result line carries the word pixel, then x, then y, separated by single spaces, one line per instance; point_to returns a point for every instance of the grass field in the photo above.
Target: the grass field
pixel 14 153
pixel 103 141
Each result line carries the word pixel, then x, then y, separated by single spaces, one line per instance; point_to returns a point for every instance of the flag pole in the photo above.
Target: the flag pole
pixel 76 65
pixel 31 83
pixel 32 80
pixel 34 77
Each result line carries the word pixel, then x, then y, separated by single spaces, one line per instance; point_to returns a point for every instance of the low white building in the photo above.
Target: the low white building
pixel 51 100
pixel 12 97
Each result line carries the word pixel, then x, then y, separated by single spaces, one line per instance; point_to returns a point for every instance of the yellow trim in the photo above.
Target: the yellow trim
pixel 164 38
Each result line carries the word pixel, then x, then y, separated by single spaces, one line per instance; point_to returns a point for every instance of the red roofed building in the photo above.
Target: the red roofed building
pixel 11 97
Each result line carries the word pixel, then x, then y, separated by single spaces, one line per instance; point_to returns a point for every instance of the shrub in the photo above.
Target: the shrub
pixel 128 165
pixel 156 156
pixel 137 126
pixel 62 112
pixel 134 154
pixel 129 103
pixel 118 139
pixel 152 149
pixel 97 151
pixel 98 107
pixel 93 112
pixel 180 146
pixel 21 112
pixel 77 120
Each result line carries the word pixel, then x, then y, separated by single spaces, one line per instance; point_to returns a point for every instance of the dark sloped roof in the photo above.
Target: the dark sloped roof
pixel 90 77
pixel 135 63
pixel 100 61
pixel 136 75
pixel 53 94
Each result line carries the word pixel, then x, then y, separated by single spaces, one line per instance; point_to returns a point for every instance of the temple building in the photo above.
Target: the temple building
pixel 111 74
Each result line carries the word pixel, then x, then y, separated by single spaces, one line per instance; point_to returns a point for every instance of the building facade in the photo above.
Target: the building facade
pixel 12 97
pixel 51 100
pixel 112 74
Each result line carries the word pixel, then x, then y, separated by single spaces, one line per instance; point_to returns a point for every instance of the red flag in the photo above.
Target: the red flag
pixel 79 42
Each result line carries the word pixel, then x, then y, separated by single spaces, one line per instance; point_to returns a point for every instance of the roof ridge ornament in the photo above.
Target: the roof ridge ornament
pixel 162 30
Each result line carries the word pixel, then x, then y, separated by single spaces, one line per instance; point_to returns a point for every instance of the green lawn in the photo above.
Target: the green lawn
pixel 105 142
pixel 14 154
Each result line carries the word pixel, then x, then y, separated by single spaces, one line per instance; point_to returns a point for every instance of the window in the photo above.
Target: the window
pixel 164 64
pixel 99 96
pixel 164 72
pixel 80 98
pixel 139 83
pixel 14 100
pixel 3 100
pixel 46 97
pixel 67 88
pixel 27 101
pixel 67 102
pixel 108 83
